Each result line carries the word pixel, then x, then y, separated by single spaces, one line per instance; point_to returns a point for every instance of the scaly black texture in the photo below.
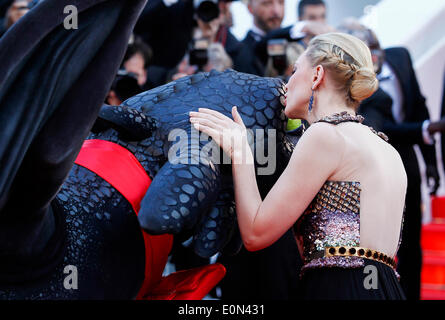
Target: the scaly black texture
pixel 195 197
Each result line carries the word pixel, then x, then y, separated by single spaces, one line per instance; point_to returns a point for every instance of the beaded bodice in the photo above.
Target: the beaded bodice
pixel 332 219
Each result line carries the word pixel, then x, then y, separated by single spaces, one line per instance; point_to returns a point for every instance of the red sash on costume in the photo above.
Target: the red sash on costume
pixel 120 168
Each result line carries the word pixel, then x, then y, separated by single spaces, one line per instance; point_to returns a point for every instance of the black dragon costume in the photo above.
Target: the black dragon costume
pixel 62 204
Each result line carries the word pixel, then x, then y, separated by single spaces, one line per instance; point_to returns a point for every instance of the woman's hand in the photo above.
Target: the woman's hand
pixel 437 126
pixel 230 135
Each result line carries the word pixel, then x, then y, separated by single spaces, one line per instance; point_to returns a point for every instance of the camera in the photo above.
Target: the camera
pixel 125 85
pixel 206 10
pixel 276 49
pixel 198 55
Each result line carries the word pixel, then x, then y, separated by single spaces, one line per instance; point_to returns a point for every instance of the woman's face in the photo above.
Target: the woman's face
pixel 299 89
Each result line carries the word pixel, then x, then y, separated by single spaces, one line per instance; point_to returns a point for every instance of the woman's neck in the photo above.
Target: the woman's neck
pixel 326 104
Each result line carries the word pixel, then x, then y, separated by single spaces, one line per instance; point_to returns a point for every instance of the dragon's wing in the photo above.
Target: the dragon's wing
pixel 53 82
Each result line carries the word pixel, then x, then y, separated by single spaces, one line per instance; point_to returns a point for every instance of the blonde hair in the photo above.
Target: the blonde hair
pixel 349 63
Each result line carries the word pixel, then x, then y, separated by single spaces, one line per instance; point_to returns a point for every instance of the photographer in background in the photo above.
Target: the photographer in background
pixel 267 16
pixel 124 86
pixel 312 20
pixel 210 57
pixel 224 35
pixel 168 27
pixel 132 74
pixel 137 59
pixel 282 56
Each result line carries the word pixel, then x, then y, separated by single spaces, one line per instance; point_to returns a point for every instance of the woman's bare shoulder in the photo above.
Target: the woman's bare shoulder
pixel 321 142
pixel 324 134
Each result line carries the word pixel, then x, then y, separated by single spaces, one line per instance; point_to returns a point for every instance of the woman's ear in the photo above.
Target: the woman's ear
pixel 318 77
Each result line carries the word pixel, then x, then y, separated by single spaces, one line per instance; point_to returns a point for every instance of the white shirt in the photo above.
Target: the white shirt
pixel 168 3
pixel 391 85
pixel 295 32
pixel 258 34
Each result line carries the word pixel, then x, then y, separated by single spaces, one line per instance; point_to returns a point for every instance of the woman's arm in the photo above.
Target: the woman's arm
pixel 314 160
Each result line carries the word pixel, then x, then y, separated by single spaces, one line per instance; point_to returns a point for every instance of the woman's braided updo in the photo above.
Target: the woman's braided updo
pixel 349 64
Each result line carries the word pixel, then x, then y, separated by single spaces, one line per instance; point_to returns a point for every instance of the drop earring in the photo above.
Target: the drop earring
pixel 311 101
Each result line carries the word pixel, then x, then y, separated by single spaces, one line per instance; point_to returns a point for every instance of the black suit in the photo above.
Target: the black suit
pixel 231 44
pixel 247 59
pixel 403 137
pixel 252 57
pixel 168 30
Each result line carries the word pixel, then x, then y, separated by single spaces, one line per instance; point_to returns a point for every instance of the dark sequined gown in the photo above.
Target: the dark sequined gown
pixel 333 220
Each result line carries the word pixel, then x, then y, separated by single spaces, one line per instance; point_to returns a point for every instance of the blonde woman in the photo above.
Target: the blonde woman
pixel 347 185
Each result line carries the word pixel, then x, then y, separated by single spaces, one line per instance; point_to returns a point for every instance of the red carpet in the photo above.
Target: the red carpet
pixel 433 246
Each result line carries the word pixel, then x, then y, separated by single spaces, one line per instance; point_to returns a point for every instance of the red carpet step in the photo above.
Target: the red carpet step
pixel 438 207
pixel 433 237
pixel 433 247
pixel 433 268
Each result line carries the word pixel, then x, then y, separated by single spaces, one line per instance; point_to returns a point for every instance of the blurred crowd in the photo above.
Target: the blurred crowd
pixel 177 38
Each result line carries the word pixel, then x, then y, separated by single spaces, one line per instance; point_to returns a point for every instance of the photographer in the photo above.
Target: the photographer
pixel 168 26
pixel 311 22
pixel 137 59
pixel 282 56
pixel 132 74
pixel 267 16
pixel 224 35
pixel 213 57
pixel 124 86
